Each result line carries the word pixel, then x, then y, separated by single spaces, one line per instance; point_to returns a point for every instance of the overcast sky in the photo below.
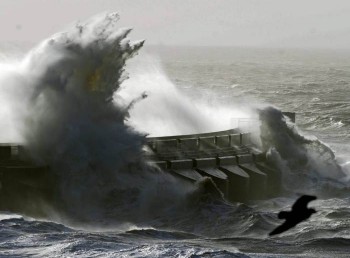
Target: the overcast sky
pixel 262 23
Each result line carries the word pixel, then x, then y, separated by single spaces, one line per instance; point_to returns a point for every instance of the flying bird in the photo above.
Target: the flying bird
pixel 299 212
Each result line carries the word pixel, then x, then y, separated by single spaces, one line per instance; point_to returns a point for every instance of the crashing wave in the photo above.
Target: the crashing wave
pixel 70 117
pixel 306 163
pixel 69 120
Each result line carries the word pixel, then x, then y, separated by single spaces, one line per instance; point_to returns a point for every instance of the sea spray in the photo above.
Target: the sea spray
pixel 167 110
pixel 71 112
pixel 11 100
pixel 306 163
pixel 68 119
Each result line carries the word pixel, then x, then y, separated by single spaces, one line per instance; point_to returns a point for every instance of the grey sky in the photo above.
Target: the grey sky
pixel 263 23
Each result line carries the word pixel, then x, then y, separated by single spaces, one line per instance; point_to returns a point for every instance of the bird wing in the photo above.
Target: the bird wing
pixel 284 227
pixel 302 202
pixel 283 214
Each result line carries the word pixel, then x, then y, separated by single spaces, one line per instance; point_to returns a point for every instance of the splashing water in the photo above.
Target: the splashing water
pixel 169 111
pixel 65 102
pixel 62 96
pixel 308 165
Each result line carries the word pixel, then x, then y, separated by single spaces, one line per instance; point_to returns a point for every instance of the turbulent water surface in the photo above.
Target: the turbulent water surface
pixel 68 101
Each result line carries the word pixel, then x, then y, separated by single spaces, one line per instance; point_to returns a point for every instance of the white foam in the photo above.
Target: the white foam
pixel 167 110
pixel 60 98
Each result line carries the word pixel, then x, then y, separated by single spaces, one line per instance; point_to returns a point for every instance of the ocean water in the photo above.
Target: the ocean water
pixel 112 211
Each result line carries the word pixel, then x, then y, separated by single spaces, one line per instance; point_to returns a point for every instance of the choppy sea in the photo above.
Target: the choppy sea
pixel 179 81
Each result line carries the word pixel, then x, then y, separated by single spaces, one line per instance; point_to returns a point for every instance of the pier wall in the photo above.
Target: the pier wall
pixel 229 158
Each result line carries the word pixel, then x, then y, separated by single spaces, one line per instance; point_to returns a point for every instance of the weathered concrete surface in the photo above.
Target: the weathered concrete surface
pixel 238 179
pixel 274 179
pixel 223 141
pixel 229 157
pixel 208 167
pixel 189 144
pixel 24 187
pixel 207 143
pixel 258 179
pixel 184 169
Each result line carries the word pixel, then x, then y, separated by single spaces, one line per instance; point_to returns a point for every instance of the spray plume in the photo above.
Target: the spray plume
pixel 67 116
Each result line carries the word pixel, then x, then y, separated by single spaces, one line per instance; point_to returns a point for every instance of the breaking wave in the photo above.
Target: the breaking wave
pixel 306 164
pixel 69 116
pixel 65 102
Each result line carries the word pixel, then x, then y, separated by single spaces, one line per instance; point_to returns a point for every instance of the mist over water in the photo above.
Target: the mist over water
pixel 71 103
pixel 61 100
pixel 167 110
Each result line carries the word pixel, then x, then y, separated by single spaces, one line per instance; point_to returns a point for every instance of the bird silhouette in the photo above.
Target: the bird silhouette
pixel 299 213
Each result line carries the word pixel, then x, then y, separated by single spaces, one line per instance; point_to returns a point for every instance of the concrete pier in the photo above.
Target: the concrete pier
pixel 238 179
pixel 208 167
pixel 185 169
pixel 223 141
pixel 160 164
pixel 5 151
pixel 207 143
pixel 238 170
pixel 274 179
pixel 235 140
pixel 228 157
pixel 245 139
pixel 258 179
pixel 23 185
